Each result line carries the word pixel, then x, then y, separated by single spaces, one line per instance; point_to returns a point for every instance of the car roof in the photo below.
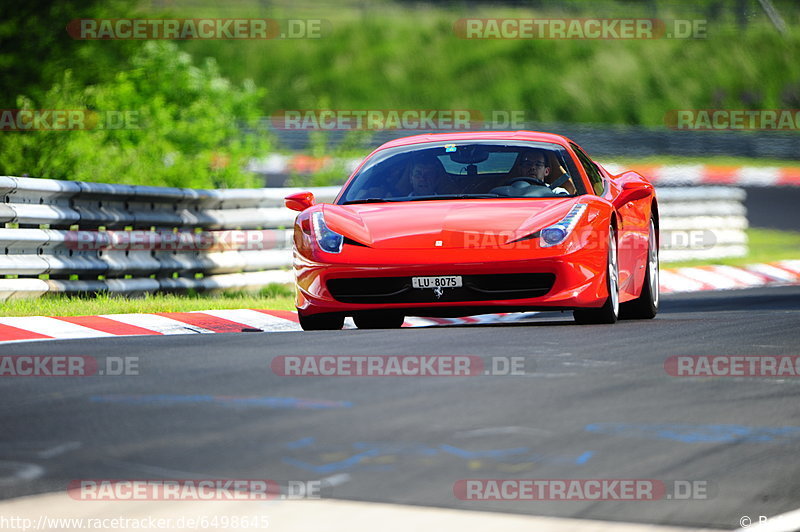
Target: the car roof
pixel 539 136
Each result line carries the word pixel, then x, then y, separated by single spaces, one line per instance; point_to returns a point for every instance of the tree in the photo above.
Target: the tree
pixel 162 120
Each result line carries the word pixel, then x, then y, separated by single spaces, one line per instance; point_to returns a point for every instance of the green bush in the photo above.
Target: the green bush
pixel 183 129
pixel 387 56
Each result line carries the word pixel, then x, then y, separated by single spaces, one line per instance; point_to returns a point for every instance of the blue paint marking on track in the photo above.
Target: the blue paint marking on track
pixel 491 453
pixel 364 451
pixel 398 448
pixel 582 459
pixel 302 442
pixel 222 400
pixel 332 467
pixel 700 433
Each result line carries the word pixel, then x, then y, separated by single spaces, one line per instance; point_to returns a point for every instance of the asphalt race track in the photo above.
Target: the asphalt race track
pixel 594 402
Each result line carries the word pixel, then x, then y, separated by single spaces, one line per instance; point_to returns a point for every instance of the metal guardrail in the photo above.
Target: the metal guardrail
pixel 702 223
pixel 77 237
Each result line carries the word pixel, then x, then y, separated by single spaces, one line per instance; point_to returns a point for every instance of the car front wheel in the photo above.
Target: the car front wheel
pixel 609 312
pixel 645 306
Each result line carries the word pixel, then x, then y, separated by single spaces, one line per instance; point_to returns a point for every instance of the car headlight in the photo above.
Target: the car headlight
pixel 557 233
pixel 327 239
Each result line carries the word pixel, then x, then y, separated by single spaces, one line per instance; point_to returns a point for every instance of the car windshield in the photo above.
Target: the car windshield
pixel 462 170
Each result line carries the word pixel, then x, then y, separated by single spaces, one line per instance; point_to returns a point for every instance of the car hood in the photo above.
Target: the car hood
pixel 444 223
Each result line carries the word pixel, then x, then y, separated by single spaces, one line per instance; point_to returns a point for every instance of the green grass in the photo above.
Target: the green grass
pixel 273 297
pixel 765 245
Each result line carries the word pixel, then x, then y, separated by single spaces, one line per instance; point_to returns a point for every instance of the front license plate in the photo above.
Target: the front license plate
pixel 441 281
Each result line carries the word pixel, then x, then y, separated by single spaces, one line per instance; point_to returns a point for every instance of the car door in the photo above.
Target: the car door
pixel 629 224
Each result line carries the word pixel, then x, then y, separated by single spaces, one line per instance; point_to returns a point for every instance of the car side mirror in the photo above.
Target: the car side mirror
pixel 631 191
pixel 299 201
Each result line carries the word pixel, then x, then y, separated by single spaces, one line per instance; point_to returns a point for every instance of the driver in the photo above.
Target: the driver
pixel 534 164
pixel 425 178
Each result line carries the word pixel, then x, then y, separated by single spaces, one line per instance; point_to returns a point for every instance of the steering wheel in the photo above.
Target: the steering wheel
pixel 529 180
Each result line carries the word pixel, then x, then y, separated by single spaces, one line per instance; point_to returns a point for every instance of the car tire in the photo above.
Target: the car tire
pixel 321 322
pixel 379 320
pixel 645 307
pixel 609 312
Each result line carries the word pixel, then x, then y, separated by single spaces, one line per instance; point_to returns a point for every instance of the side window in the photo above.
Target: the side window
pixel 591 170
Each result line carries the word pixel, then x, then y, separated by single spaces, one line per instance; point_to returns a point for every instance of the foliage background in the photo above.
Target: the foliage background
pixel 203 104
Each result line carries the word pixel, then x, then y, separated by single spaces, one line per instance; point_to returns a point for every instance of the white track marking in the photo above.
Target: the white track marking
pixel 52 327
pixel 157 323
pixel 157 470
pixel 492 431
pixel 419 322
pixel 742 276
pixel 59 449
pixel 793 265
pixel 772 271
pixel 20 472
pixel 675 282
pixel 257 320
pixel 38 449
pixel 506 318
pixel 719 282
pixel 336 480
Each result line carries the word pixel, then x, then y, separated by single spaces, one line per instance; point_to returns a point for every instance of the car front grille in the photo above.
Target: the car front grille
pixel 476 288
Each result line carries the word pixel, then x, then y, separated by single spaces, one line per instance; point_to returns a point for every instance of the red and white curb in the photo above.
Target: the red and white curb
pixel 699 278
pixel 668 174
pixel 206 322
pixel 703 174
pixel 27 328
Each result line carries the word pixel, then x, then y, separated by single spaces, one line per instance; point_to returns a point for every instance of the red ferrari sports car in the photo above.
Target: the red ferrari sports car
pixel 461 224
